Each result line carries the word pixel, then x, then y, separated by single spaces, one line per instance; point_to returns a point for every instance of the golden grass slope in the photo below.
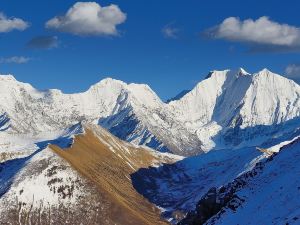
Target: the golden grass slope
pixel 108 162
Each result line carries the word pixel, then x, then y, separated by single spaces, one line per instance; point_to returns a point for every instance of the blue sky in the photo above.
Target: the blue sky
pixel 162 43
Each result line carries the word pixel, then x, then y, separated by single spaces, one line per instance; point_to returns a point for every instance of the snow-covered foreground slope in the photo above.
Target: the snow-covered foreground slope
pixel 228 109
pixel 267 194
pixel 178 187
pixel 52 185
pixel 270 197
pixel 43 188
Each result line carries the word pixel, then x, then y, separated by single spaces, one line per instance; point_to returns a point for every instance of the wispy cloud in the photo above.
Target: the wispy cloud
pixel 43 42
pixel 293 71
pixel 170 31
pixel 15 59
pixel 10 24
pixel 262 34
pixel 89 19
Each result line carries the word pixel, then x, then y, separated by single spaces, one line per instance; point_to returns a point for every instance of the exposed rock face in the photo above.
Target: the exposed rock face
pixel 207 207
pixel 213 202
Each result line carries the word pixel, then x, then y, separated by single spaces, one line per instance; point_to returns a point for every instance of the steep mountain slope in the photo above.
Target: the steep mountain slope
pixel 229 108
pixel 109 164
pixel 93 187
pixel 270 99
pixel 178 187
pixel 226 110
pixel 267 194
pixel 42 188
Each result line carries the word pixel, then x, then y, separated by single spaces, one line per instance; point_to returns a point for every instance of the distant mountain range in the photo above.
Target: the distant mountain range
pixel 226 110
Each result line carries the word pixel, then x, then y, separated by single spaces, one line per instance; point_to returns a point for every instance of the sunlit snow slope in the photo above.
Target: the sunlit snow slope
pixel 271 197
pixel 267 194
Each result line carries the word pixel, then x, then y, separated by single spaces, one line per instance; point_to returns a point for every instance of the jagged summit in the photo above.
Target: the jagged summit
pixel 267 73
pixel 242 72
pixel 238 72
pixel 264 71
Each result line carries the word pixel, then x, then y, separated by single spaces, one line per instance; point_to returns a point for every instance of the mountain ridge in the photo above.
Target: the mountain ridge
pixel 226 100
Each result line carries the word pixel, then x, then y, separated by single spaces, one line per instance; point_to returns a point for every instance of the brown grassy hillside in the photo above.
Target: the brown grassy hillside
pixel 108 162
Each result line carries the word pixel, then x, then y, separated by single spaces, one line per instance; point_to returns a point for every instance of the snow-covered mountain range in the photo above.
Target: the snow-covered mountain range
pixel 56 159
pixel 227 109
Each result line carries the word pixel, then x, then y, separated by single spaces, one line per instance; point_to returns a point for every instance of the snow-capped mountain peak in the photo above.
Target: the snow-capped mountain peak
pixel 270 99
pixel 229 100
pixel 108 82
pixel 141 92
pixel 264 71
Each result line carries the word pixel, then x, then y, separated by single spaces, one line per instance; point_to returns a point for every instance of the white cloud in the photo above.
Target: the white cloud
pixel 89 18
pixel 169 31
pixel 15 59
pixel 293 71
pixel 262 31
pixel 9 24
